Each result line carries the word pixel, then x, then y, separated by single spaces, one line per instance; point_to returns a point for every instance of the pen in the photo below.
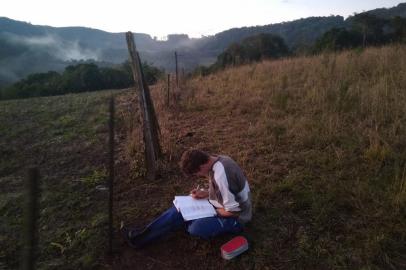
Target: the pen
pixel 196 190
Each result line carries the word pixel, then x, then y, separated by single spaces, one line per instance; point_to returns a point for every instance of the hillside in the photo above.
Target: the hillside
pixel 399 10
pixel 295 33
pixel 321 140
pixel 27 48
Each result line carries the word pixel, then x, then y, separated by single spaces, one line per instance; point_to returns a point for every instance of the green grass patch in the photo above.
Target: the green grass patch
pixel 66 138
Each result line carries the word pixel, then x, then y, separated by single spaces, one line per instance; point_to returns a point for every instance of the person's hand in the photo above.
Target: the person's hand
pixel 199 194
pixel 223 213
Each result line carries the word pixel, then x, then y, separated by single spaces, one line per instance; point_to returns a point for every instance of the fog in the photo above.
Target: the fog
pixel 53 45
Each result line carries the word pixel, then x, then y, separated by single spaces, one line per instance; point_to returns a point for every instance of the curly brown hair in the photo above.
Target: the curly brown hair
pixel 191 161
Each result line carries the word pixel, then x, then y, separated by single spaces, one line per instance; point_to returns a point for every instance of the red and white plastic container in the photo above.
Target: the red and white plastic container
pixel 234 247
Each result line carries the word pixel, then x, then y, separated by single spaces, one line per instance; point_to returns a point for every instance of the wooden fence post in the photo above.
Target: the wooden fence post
pixel 149 120
pixel 30 233
pixel 167 91
pixel 111 173
pixel 176 68
pixel 154 125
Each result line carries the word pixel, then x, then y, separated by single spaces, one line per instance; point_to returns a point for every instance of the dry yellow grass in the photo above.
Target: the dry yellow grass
pixel 322 141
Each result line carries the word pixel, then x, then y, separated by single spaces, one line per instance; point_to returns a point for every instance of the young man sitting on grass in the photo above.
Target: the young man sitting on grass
pixel 228 192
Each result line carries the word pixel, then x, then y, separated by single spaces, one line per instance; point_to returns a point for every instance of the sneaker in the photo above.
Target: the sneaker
pixel 130 235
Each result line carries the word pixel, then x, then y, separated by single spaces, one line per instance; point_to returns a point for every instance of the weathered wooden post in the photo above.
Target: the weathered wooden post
pixel 167 90
pixel 176 68
pixel 30 233
pixel 183 75
pixel 154 125
pixel 149 120
pixel 111 173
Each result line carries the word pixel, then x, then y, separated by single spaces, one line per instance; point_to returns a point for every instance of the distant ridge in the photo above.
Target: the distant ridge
pixel 27 48
pixel 399 10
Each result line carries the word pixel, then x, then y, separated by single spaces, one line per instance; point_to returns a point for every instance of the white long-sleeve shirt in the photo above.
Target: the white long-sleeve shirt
pixel 229 188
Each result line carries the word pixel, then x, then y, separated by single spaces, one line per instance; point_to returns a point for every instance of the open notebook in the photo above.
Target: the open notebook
pixel 192 208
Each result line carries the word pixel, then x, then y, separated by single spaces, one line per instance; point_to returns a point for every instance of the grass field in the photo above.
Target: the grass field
pixel 66 138
pixel 321 139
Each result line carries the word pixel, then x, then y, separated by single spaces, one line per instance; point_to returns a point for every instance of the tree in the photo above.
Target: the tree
pixel 398 25
pixel 264 46
pixel 254 48
pixel 370 26
pixel 151 73
pixel 35 85
pixel 115 78
pixel 338 39
pixel 234 54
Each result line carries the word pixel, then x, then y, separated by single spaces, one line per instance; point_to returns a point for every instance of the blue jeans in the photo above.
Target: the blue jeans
pixel 172 220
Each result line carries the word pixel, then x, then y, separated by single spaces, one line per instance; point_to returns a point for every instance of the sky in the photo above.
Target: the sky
pixel 160 18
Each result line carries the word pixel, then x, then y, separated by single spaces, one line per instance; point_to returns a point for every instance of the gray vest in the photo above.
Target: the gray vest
pixel 236 182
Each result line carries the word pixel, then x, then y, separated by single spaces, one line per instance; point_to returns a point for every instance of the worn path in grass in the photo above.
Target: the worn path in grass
pixel 139 201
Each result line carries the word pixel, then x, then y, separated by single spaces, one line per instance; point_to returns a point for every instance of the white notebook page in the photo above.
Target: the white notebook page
pixel 193 208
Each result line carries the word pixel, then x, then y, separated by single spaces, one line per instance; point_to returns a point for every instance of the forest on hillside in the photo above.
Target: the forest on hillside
pixel 27 48
pixel 365 30
pixel 78 78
